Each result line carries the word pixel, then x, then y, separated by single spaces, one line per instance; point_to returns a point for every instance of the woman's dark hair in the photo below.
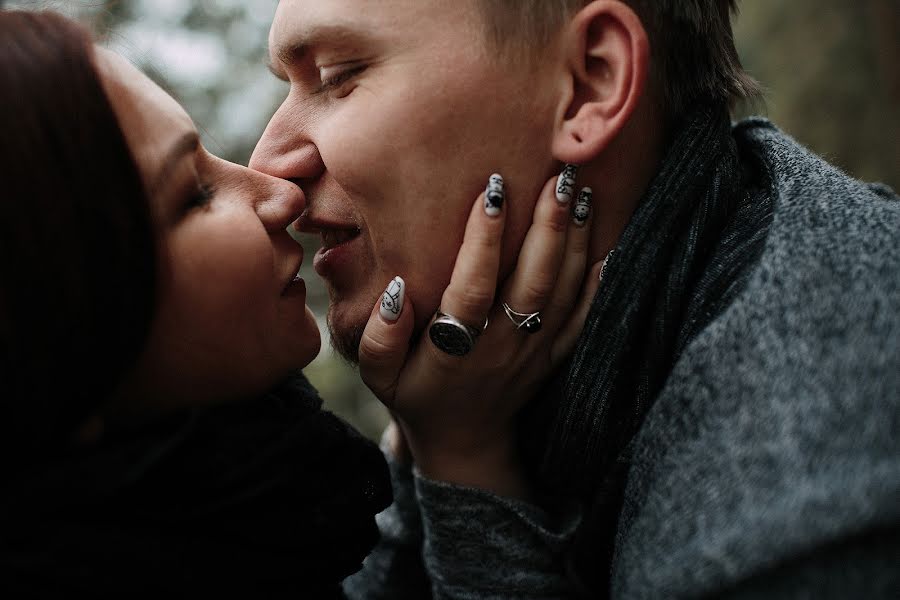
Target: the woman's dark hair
pixel 77 250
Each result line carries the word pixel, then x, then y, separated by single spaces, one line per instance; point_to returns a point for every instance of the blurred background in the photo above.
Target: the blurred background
pixel 829 68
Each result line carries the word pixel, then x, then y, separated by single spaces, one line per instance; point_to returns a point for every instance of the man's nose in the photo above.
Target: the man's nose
pixel 286 151
pixel 282 204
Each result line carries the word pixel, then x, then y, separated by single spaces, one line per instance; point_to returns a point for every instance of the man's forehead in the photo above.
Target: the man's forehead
pixel 300 22
pixel 300 17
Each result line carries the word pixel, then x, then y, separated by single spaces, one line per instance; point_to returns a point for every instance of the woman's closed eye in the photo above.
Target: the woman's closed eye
pixel 200 197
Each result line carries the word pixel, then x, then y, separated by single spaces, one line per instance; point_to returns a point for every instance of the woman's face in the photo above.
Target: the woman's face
pixel 231 318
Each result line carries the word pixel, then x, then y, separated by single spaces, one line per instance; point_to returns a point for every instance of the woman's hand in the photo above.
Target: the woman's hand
pixel 457 413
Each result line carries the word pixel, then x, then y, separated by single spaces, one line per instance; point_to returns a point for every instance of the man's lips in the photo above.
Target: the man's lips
pixel 332 238
pixel 337 237
pixel 337 252
pixel 333 233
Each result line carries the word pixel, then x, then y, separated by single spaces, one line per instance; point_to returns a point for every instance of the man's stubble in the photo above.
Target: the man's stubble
pixel 346 341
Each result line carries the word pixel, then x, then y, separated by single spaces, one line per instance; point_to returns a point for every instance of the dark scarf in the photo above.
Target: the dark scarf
pixel 678 264
pixel 268 498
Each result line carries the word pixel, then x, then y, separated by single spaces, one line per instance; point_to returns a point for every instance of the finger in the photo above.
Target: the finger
pixel 386 340
pixel 574 267
pixel 537 269
pixel 565 184
pixel 474 281
pixel 564 343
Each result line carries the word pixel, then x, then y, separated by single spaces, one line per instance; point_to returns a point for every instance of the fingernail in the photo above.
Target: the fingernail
pixel 392 299
pixel 583 206
pixel 565 184
pixel 494 196
pixel 605 262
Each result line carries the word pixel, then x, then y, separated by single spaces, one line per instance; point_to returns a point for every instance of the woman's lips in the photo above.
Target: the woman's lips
pixel 294 267
pixel 296 287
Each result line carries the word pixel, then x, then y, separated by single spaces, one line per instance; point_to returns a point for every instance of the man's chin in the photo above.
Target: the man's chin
pixel 345 336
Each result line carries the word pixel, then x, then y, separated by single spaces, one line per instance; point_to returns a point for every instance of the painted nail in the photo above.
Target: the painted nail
pixel 494 195
pixel 583 206
pixel 565 184
pixel 392 299
pixel 605 262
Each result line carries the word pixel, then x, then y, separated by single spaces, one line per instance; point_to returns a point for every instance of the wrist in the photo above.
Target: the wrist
pixel 494 465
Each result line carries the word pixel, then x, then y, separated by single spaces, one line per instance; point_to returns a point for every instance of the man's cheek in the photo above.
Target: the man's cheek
pixel 396 124
pixel 361 167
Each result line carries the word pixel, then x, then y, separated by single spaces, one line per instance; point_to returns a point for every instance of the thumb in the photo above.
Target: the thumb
pixel 386 340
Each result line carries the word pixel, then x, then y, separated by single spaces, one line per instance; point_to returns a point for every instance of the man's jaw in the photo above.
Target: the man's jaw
pixel 345 340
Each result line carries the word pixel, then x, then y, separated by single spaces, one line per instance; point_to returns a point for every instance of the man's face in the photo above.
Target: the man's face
pixel 397 115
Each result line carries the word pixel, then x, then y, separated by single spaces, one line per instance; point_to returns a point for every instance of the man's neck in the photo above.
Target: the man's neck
pixel 620 177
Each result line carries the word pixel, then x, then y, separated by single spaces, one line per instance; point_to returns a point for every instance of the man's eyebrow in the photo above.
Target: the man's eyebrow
pixel 186 144
pixel 293 51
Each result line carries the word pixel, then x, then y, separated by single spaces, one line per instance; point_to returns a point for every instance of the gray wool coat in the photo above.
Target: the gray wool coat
pixel 769 465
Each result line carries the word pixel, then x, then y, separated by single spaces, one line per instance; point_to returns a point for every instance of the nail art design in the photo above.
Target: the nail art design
pixel 605 262
pixel 392 299
pixel 583 206
pixel 565 184
pixel 494 196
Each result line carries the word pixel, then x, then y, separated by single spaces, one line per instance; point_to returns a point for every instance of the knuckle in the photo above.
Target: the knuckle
pixel 375 350
pixel 538 288
pixel 442 363
pixel 578 244
pixel 556 225
pixel 472 302
pixel 555 217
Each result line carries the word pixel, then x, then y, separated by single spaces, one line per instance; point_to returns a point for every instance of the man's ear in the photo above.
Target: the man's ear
pixel 608 57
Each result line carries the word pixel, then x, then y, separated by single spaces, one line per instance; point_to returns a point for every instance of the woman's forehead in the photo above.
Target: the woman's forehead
pixel 151 119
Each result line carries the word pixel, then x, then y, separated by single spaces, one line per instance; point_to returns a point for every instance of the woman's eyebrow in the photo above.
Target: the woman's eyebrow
pixel 186 144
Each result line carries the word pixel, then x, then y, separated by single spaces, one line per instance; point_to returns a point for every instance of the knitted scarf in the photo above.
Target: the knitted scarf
pixel 679 263
pixel 268 498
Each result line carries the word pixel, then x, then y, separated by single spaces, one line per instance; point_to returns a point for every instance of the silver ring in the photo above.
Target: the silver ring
pixel 452 336
pixel 531 323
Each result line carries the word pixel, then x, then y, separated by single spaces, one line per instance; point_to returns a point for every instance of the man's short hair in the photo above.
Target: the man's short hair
pixel 693 57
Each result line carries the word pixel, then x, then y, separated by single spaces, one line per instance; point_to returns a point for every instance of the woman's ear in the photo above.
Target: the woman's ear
pixel 608 58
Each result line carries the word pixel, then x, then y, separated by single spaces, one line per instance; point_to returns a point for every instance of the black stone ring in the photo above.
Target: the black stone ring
pixel 452 336
pixel 530 322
